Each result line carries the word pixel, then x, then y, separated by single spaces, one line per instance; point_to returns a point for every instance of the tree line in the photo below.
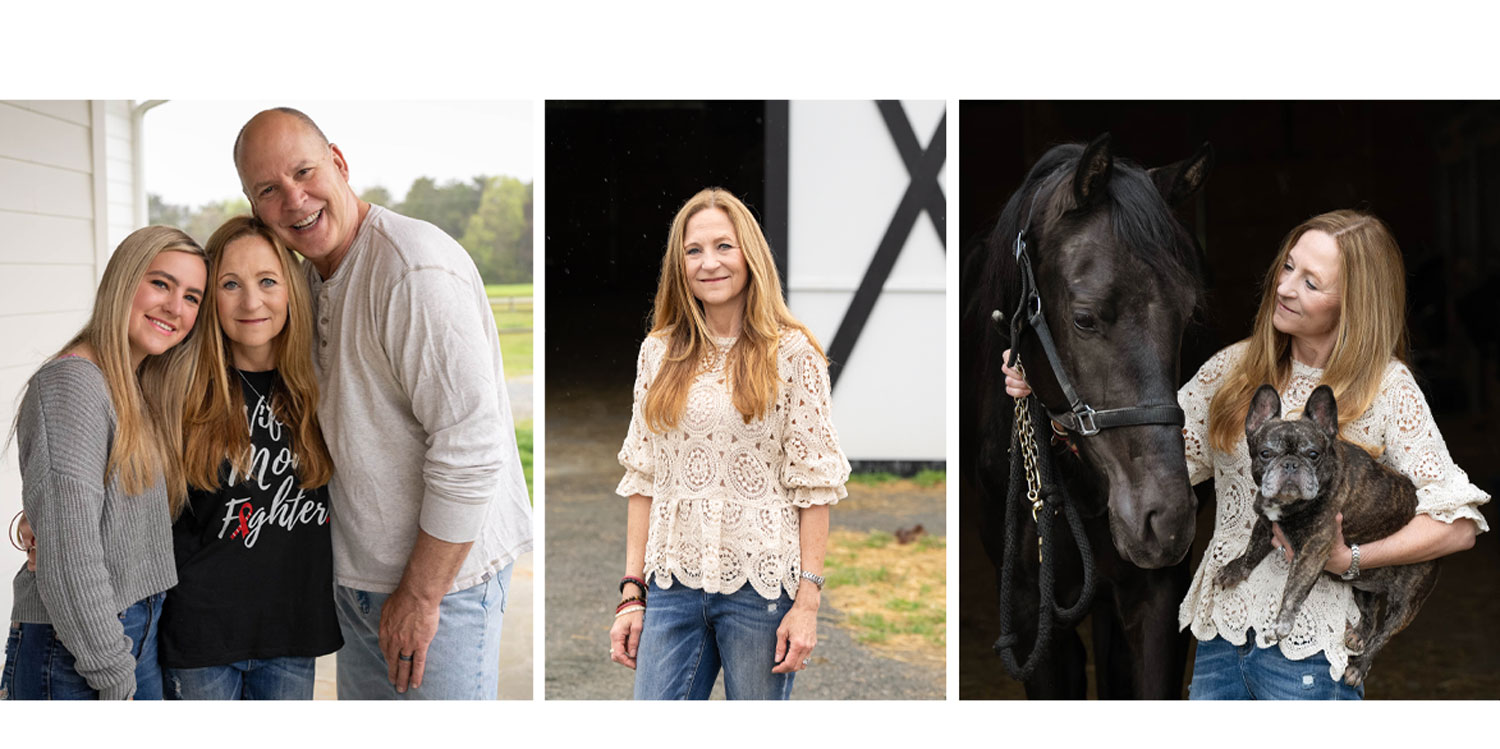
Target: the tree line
pixel 489 216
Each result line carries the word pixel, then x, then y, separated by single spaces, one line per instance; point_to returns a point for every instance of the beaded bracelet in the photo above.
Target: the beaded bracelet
pixel 638 582
pixel 631 601
pixel 630 610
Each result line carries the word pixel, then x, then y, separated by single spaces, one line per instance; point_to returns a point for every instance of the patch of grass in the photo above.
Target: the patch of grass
pixel 924 479
pixel 524 442
pixel 512 318
pixel 515 351
pixel 854 576
pixel 893 596
pixel 928 541
pixel 873 478
pixel 928 478
pixel 508 289
pixel 903 604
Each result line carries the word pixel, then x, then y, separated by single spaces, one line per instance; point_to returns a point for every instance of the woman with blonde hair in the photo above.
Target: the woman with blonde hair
pixel 100 469
pixel 731 463
pixel 254 605
pixel 1332 312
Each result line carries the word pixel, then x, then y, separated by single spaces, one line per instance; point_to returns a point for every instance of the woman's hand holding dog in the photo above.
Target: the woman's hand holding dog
pixel 1338 561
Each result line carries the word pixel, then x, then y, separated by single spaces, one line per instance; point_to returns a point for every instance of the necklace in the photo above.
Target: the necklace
pixel 247 382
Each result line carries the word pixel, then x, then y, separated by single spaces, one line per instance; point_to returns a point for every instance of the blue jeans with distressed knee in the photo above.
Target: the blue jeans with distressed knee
pixel 1225 671
pixel 687 636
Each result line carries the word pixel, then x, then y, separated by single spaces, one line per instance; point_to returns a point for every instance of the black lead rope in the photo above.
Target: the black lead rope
pixel 1081 419
pixel 1056 499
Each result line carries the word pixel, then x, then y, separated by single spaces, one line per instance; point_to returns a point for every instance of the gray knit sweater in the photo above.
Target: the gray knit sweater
pixel 99 550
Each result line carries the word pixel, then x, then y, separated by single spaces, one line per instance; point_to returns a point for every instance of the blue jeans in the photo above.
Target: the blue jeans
pixel 287 678
pixel 687 635
pixel 1225 671
pixel 39 667
pixel 463 660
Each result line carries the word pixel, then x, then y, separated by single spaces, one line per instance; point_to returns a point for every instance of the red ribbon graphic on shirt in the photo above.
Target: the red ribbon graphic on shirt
pixel 244 529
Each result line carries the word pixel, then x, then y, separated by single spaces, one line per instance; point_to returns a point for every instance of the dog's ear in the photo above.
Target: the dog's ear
pixel 1264 406
pixel 1323 409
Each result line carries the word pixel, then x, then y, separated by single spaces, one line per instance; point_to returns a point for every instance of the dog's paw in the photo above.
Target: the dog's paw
pixel 1354 673
pixel 1283 628
pixel 1354 642
pixel 1232 574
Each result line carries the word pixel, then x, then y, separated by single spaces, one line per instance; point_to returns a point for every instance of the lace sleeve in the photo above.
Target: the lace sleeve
pixel 1415 447
pixel 1194 398
pixel 636 454
pixel 814 468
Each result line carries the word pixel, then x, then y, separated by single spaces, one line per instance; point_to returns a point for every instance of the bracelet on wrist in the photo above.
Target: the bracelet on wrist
pixel 1353 572
pixel 631 601
pixel 815 579
pixel 629 610
pixel 639 582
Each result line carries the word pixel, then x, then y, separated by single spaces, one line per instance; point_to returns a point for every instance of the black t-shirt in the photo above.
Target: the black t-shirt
pixel 254 559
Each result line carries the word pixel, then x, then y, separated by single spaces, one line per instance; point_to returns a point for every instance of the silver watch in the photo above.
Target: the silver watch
pixel 814 579
pixel 1353 572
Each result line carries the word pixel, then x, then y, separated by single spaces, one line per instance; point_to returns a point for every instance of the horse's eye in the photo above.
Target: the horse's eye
pixel 1083 321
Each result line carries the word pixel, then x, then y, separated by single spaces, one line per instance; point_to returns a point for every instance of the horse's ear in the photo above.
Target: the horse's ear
pixel 1177 181
pixel 1093 171
pixel 1323 409
pixel 1264 406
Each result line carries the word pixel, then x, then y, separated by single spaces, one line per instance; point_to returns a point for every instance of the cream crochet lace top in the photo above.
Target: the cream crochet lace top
pixel 725 494
pixel 1398 420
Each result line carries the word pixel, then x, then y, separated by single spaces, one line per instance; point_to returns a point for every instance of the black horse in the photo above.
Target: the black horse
pixel 1119 279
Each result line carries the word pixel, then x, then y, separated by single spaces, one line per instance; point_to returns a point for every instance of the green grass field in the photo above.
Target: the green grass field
pixel 515 321
pixel 512 317
pixel 515 352
pixel 508 289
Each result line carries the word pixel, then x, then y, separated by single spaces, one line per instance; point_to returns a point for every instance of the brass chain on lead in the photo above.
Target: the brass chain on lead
pixel 1027 440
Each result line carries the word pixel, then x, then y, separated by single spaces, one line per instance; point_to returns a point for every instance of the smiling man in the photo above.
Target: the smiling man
pixel 430 507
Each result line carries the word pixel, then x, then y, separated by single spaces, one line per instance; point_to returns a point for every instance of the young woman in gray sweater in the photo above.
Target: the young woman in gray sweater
pixel 101 473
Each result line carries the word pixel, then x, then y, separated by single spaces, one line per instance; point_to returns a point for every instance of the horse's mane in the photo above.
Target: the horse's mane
pixel 1139 218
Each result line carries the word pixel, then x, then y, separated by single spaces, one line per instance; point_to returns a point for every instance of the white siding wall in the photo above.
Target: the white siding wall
pixel 845 183
pixel 66 199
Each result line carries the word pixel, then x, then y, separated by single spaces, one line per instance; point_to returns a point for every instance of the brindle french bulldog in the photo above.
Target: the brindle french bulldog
pixel 1307 476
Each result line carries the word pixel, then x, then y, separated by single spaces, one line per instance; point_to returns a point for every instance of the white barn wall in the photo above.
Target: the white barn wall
pixel 846 179
pixel 66 191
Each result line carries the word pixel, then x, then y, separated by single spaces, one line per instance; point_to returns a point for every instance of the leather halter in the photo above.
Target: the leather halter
pixel 1080 417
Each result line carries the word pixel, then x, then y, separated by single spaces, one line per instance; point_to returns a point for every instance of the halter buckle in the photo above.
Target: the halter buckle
pixel 1085 419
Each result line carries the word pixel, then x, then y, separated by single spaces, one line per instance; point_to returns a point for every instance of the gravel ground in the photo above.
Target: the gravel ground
pixel 585 549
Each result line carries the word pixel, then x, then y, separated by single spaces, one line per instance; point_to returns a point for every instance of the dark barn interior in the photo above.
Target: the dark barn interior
pixel 1428 169
pixel 617 172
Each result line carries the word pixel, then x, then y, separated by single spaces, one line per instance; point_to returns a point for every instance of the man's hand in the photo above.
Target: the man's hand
pixel 407 626
pixel 409 618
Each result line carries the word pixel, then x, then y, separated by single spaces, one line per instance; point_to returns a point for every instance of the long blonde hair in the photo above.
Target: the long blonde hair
pixel 680 320
pixel 214 424
pixel 1371 327
pixel 148 400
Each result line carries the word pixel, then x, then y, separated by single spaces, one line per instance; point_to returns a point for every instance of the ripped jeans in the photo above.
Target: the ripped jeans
pixel 1225 671
pixel 688 635
pixel 287 678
